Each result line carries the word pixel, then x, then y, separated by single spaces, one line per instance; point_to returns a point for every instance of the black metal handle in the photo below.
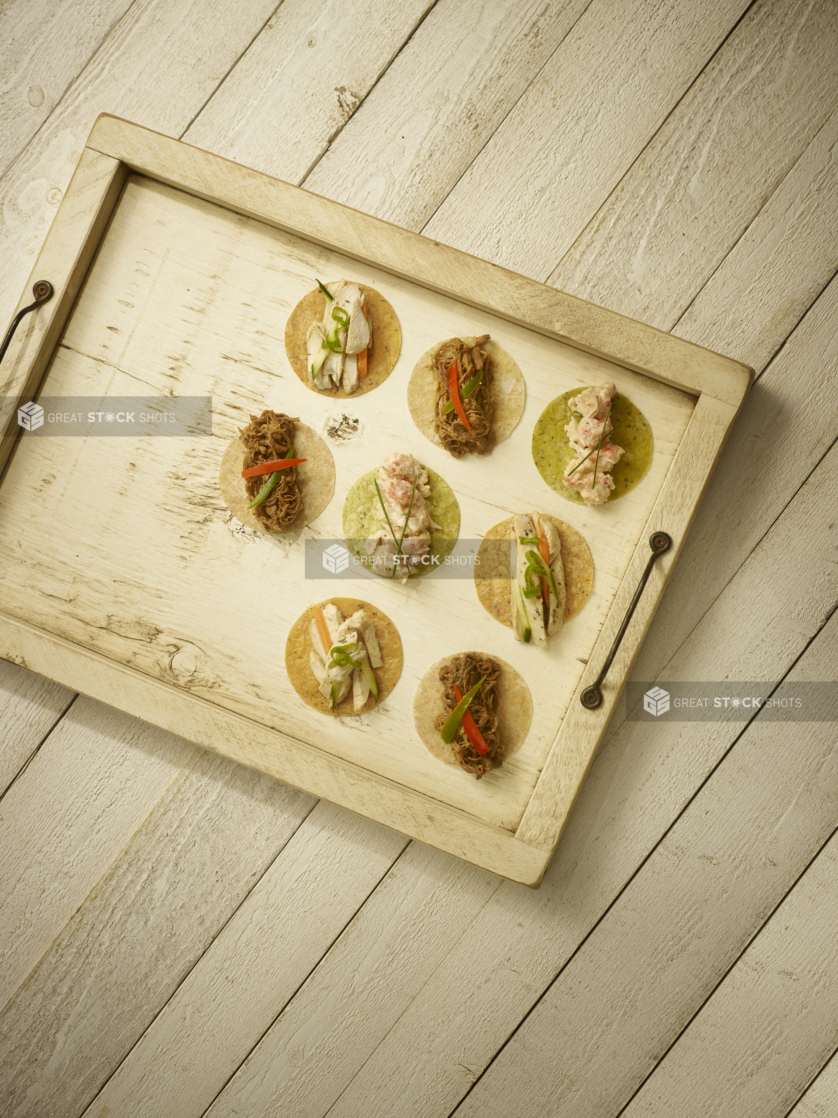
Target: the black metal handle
pixel 591 697
pixel 43 292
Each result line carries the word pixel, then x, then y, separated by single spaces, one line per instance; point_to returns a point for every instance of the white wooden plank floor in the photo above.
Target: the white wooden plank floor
pixel 183 937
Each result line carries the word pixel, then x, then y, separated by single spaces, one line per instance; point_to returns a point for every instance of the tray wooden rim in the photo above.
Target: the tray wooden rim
pixel 116 148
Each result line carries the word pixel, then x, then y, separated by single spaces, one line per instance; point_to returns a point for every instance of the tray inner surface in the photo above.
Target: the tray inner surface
pixel 124 545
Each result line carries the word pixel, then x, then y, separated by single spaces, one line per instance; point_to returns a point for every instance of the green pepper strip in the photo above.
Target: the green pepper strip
pixel 270 484
pixel 537 564
pixel 452 722
pixel 469 389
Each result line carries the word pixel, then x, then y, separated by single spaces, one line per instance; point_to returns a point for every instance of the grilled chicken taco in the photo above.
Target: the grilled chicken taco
pixel 472 710
pixel 277 474
pixel 466 395
pixel 402 519
pixel 343 338
pixel 343 656
pixel 540 581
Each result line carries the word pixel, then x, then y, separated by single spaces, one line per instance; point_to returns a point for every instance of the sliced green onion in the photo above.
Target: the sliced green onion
pixel 341 317
pixel 325 291
pixel 522 613
pixel 536 563
pixel 369 676
pixel 341 657
pixel 452 722
pixel 468 390
pixel 269 486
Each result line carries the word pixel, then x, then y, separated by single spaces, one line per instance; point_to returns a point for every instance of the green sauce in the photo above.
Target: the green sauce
pixel 551 449
pixel 360 521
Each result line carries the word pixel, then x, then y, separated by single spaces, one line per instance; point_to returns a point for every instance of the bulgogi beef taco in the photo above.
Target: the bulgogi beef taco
pixel 343 338
pixel 276 474
pixel 472 710
pixel 466 395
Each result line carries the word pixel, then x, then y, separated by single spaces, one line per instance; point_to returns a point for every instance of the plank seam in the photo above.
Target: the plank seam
pixel 640 867
pixel 37 748
pixel 810 1085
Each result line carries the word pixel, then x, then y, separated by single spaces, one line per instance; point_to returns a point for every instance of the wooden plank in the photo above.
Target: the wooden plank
pixel 437 105
pixel 820 1100
pixel 768 91
pixel 167 1071
pixel 642 778
pixel 307 73
pixel 729 860
pixel 523 200
pixel 768 1028
pixel 132 73
pixel 433 265
pixel 216 834
pixel 64 260
pixel 29 709
pixel 45 47
pixel 775 271
pixel 63 819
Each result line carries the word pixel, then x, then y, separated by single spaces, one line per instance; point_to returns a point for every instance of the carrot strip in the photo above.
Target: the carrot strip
pixel 362 356
pixel 454 393
pixel 322 629
pixel 544 552
pixel 272 467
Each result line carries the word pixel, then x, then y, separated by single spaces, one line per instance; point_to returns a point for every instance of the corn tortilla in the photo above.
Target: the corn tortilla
pixel 508 389
pixel 495 593
pixel 382 353
pixel 316 478
pixel 298 646
pixel 513 708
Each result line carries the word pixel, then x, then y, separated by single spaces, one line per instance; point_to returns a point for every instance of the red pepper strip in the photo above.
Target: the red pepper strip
pixel 474 735
pixel 272 467
pixel 454 393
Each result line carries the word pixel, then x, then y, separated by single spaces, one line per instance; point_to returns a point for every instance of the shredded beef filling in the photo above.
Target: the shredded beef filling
pixel 479 407
pixel 464 671
pixel 269 436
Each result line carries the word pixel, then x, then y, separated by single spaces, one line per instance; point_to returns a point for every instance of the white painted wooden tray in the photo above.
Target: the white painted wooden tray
pixel 124 577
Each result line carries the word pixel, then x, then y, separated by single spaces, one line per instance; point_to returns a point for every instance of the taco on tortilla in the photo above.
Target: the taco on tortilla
pixel 533 573
pixel 276 474
pixel 472 710
pixel 343 338
pixel 466 395
pixel 343 656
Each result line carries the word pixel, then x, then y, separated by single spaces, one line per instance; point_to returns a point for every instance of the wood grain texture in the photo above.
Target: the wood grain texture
pixel 62 820
pixel 438 105
pixel 30 706
pixel 727 862
pixel 768 91
pixel 642 778
pixel 165 1073
pixel 196 856
pixel 306 73
pixel 138 70
pixel 521 201
pixel 820 1100
pixel 772 1022
pixel 45 47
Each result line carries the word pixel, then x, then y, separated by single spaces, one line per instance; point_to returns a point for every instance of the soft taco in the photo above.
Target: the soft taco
pixel 533 573
pixel 466 395
pixel 277 474
pixel 343 338
pixel 472 710
pixel 343 656
pixel 592 445
pixel 402 519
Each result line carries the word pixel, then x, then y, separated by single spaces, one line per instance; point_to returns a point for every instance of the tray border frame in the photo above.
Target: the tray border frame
pixel 116 148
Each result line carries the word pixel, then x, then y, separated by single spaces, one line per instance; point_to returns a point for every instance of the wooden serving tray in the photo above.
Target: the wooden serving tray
pixel 125 577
